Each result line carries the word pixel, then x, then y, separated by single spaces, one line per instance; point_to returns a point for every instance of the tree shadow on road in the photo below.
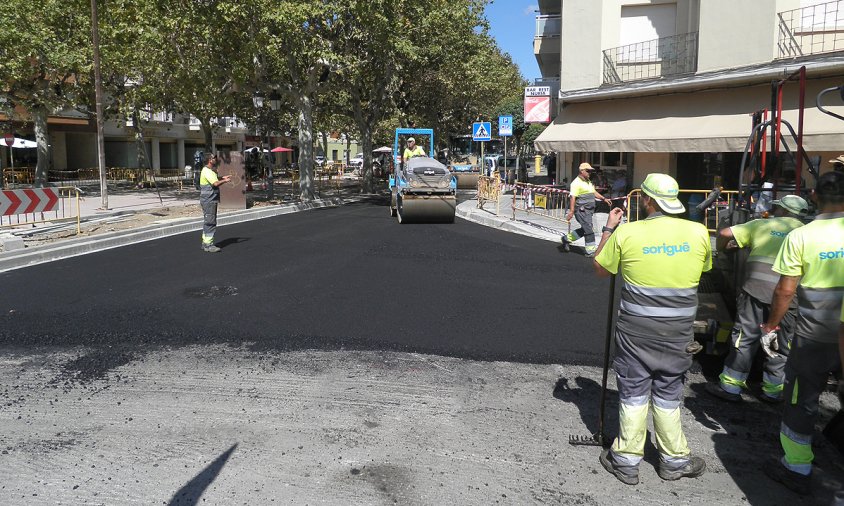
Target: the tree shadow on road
pixel 193 490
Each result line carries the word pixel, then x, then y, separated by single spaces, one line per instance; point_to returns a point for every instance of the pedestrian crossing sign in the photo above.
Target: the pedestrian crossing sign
pixel 482 131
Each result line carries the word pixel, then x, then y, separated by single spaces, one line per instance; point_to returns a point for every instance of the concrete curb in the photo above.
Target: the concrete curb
pixel 17 259
pixel 469 211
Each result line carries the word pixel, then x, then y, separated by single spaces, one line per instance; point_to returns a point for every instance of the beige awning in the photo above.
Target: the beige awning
pixel 701 121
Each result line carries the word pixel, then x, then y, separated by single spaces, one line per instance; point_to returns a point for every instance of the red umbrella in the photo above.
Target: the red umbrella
pixel 281 149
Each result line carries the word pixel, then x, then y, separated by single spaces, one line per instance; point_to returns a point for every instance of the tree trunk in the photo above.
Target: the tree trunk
pixel 306 147
pixel 209 133
pixel 368 179
pixel 39 114
pixel 140 145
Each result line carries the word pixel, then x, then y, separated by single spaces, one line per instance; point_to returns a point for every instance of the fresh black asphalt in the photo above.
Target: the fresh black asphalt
pixel 339 278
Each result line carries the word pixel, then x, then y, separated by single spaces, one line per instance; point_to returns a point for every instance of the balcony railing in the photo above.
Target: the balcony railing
pixel 811 30
pixel 549 26
pixel 668 56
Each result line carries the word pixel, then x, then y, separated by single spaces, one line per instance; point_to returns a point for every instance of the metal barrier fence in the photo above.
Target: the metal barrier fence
pixel 489 189
pixel 39 205
pixel 709 217
pixel 541 200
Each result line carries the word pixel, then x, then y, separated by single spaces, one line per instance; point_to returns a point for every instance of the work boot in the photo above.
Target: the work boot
pixel 770 399
pixel 627 476
pixel 211 249
pixel 716 390
pixel 796 482
pixel 694 468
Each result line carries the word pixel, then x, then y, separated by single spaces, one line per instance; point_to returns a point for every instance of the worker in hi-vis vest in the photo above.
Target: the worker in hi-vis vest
pixel 660 260
pixel 811 265
pixel 412 150
pixel 763 237
pixel 209 198
pixel 582 195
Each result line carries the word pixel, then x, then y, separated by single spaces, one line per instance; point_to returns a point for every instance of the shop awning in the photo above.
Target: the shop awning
pixel 700 121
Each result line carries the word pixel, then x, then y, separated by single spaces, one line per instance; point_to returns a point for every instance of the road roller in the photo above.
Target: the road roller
pixel 422 190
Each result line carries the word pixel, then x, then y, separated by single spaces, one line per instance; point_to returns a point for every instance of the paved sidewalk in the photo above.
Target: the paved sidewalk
pixel 525 223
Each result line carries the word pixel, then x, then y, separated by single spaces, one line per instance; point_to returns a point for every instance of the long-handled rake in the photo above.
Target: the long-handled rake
pixel 598 438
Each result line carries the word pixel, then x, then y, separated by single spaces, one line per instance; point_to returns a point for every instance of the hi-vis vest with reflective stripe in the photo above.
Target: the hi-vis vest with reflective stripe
pixel 207 191
pixel 582 191
pixel 661 259
pixel 815 252
pixel 764 237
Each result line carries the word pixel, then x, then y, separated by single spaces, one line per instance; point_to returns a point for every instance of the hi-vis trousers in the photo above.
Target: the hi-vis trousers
pixel 650 372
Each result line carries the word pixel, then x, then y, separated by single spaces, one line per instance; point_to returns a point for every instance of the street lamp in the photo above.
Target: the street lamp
pixel 274 101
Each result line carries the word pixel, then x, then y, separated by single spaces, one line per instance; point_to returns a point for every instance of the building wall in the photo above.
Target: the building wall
pixel 581 44
pixel 734 34
pixel 645 163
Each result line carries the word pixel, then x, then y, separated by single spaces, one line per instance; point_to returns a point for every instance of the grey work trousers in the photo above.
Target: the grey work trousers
pixel 746 336
pixel 583 215
pixel 209 218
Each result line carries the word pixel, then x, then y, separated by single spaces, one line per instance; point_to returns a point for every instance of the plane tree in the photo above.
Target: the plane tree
pixel 45 60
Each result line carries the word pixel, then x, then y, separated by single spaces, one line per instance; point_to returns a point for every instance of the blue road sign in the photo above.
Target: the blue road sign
pixel 505 126
pixel 482 131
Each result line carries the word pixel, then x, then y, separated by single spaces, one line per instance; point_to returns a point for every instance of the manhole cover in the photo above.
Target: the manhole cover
pixel 211 292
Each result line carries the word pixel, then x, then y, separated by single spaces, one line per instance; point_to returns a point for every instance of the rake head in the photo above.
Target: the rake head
pixel 596 439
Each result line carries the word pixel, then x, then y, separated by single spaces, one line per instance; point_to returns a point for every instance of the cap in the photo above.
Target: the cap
pixel 838 159
pixel 831 183
pixel 793 204
pixel 411 139
pixel 586 166
pixel 664 189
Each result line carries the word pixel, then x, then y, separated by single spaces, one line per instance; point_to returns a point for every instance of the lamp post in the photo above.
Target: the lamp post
pixel 274 101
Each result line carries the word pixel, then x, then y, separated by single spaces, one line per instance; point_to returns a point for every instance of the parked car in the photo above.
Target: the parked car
pixel 356 161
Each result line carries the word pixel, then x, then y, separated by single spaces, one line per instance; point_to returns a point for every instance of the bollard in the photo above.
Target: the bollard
pixel 537 164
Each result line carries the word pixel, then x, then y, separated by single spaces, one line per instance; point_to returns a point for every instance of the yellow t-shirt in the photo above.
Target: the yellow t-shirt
pixel 815 253
pixel 660 259
pixel 410 153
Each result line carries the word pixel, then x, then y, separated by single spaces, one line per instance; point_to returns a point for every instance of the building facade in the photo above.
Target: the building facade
pixel 672 85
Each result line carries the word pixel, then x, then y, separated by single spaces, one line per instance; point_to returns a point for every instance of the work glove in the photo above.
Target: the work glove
pixel 770 344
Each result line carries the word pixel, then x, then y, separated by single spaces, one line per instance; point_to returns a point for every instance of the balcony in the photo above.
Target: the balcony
pixel 812 30
pixel 547 44
pixel 652 59
pixel 549 26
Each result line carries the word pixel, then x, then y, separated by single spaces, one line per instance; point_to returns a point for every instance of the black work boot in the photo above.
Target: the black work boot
pixel 715 389
pixel 694 468
pixel 796 482
pixel 626 475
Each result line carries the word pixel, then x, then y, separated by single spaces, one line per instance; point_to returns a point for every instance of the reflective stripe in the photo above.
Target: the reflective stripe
pixel 625 459
pixel 820 314
pixel 798 450
pixel 660 292
pixel 763 277
pixel 817 295
pixel 660 312
pixel 639 400
pixel 733 381
pixel 665 404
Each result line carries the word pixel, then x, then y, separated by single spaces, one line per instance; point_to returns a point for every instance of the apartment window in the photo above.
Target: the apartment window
pixel 646 22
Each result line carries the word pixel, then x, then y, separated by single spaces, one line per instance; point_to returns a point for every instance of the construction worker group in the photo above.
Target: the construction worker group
pixel 789 306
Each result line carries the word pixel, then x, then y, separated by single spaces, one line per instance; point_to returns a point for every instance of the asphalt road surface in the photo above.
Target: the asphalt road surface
pixel 340 278
pixel 337 357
